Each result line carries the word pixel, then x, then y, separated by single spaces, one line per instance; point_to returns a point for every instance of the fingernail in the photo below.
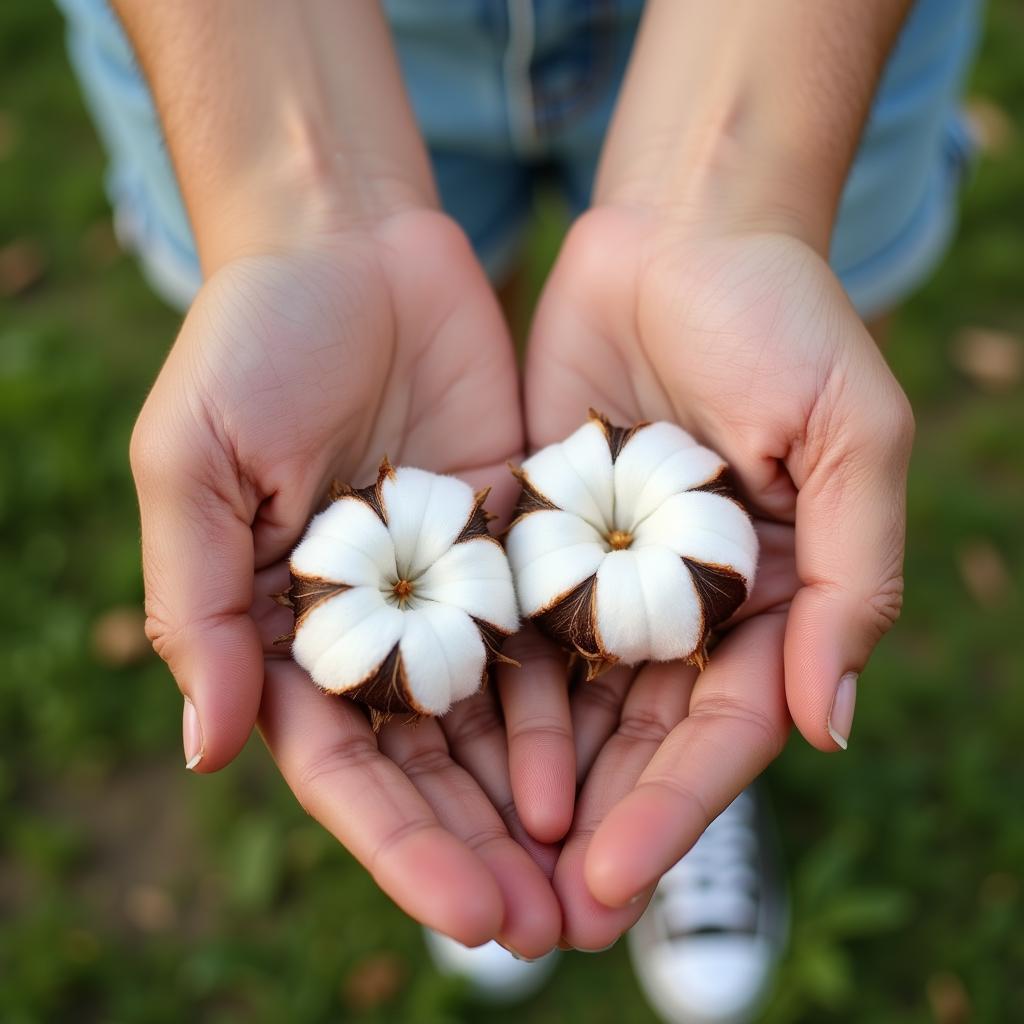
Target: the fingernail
pixel 565 946
pixel 191 735
pixel 643 896
pixel 603 949
pixel 516 956
pixel 840 718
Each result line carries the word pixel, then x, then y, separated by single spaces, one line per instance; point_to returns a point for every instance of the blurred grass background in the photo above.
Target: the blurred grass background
pixel 131 891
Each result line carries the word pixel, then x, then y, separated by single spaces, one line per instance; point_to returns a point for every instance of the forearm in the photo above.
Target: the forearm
pixel 280 117
pixel 748 110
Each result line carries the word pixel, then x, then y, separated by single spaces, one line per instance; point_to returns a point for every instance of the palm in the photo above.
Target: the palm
pixel 741 341
pixel 310 366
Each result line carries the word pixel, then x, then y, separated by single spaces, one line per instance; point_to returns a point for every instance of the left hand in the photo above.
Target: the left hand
pixel 748 341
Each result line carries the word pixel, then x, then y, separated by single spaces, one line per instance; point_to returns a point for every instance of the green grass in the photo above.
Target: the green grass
pixel 130 891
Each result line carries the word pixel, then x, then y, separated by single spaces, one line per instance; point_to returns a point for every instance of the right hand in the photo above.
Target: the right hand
pixel 294 367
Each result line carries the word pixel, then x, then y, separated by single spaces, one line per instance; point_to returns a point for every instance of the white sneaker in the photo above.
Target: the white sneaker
pixel 493 973
pixel 707 946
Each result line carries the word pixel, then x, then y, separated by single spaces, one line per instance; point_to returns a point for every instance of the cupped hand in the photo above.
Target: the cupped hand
pixel 293 368
pixel 747 340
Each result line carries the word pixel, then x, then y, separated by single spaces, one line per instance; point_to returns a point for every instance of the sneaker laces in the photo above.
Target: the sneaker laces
pixel 716 886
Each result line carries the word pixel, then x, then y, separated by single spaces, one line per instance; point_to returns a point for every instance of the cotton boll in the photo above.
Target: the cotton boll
pixel 443 655
pixel 706 528
pixel 475 577
pixel 646 575
pixel 424 514
pixel 660 460
pixel 647 606
pixel 550 553
pixel 576 475
pixel 401 596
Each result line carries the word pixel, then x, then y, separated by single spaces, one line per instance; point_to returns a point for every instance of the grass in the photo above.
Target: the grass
pixel 130 891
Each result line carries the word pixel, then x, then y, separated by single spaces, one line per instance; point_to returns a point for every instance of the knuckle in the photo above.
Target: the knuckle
pixel 885 605
pixel 473 722
pixel 171 635
pixel 485 835
pixel 843 421
pixel 165 636
pixel 686 794
pixel 769 734
pixel 354 752
pixel 583 831
pixel 183 448
pixel 428 761
pixel 395 837
pixel 644 725
pixel 600 695
pixel 538 725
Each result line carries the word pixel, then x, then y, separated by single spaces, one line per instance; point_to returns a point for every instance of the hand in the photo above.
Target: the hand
pixel 294 367
pixel 747 340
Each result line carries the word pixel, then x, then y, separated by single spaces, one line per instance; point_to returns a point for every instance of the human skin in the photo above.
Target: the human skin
pixel 342 317
pixel 692 280
pixel 696 289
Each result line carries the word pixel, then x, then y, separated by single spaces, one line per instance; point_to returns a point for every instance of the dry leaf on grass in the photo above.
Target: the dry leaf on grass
pixel 21 266
pixel 119 637
pixel 991 126
pixel 984 573
pixel 948 999
pixel 375 980
pixel 992 359
pixel 149 908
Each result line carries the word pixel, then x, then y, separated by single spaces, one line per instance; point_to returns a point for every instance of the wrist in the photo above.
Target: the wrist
pixel 747 113
pixel 301 185
pixel 281 119
pixel 703 181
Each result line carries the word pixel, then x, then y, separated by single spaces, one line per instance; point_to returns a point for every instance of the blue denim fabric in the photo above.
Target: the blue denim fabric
pixel 510 91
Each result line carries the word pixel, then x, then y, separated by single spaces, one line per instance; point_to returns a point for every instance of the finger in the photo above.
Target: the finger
pixel 502 490
pixel 274 621
pixel 541 758
pixel 656 702
pixel 197 554
pixel 776 580
pixel 737 724
pixel 596 708
pixel 329 757
pixel 476 740
pixel 532 918
pixel 851 473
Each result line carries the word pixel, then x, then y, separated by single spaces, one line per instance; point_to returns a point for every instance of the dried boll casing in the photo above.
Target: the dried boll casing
pixel 401 596
pixel 628 545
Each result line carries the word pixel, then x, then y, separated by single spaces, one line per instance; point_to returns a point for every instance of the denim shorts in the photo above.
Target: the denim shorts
pixel 510 93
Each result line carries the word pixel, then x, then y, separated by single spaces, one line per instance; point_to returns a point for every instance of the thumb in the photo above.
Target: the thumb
pixel 850 470
pixel 197 553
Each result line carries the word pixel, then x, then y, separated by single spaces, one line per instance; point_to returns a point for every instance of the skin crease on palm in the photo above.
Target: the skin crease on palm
pixel 300 367
pixel 749 342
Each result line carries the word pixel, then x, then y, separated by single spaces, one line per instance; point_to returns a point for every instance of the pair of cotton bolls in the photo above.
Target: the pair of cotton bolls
pixel 626 546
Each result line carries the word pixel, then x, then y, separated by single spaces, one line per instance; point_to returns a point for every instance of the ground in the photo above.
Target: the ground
pixel 131 891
